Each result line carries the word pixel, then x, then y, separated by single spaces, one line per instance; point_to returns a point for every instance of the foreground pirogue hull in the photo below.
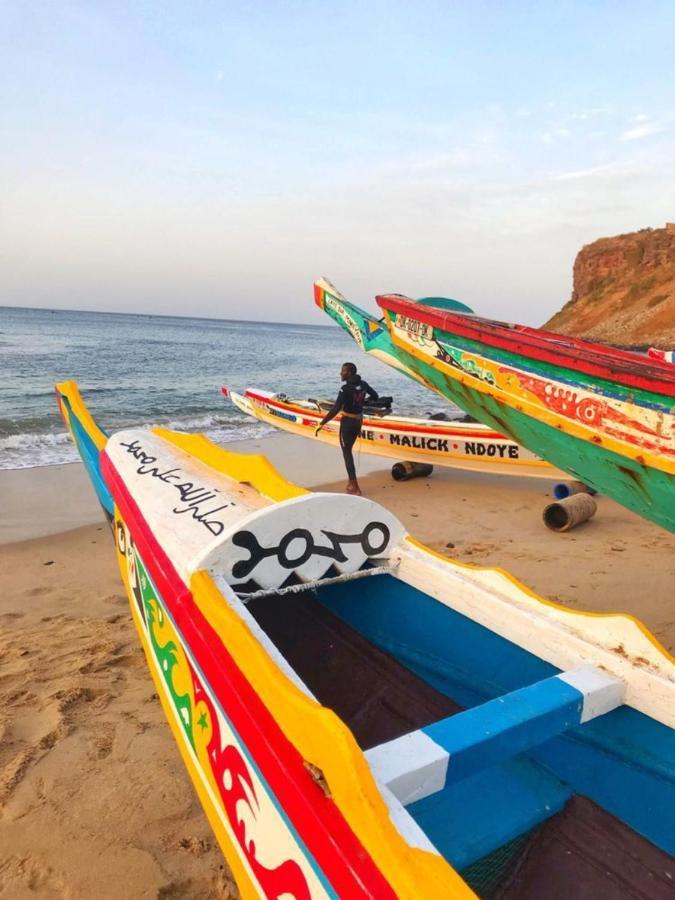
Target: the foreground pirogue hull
pixel 604 416
pixel 457 445
pixel 362 718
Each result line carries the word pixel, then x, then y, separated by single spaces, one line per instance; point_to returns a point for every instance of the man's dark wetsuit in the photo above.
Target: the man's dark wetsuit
pixel 350 402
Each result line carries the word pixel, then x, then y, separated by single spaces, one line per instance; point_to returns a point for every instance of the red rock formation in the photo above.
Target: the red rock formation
pixel 624 291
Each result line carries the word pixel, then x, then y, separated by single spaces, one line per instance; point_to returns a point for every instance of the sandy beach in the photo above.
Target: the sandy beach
pixel 94 799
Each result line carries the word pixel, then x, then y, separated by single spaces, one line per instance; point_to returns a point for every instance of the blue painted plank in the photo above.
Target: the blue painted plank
pixel 487 810
pixel 485 735
pixel 90 457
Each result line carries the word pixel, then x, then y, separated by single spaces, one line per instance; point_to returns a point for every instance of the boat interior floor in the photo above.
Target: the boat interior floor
pixel 585 853
pixel 375 696
pixel 580 851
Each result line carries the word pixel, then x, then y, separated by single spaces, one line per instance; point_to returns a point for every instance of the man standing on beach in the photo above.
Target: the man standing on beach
pixel 349 402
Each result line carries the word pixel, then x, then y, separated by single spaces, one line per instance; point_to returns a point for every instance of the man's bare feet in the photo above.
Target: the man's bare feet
pixel 353 488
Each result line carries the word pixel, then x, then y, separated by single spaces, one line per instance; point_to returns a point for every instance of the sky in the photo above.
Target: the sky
pixel 214 158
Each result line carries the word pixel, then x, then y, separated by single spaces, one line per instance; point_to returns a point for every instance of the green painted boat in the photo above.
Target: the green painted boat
pixel 605 416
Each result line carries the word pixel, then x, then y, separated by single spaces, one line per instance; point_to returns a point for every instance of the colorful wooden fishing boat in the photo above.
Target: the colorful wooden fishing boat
pixel 369 333
pixel 362 717
pixel 604 416
pixel 457 445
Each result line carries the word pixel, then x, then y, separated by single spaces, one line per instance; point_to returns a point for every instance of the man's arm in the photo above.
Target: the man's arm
pixel 370 391
pixel 332 412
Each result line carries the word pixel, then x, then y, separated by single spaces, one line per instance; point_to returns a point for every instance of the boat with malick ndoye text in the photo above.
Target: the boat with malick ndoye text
pixel 454 444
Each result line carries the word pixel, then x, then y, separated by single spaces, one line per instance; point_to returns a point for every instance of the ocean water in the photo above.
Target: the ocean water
pixel 148 370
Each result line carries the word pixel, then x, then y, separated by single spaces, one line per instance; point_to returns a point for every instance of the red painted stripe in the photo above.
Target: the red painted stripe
pixel 444 431
pixel 545 346
pixel 342 858
pixel 661 355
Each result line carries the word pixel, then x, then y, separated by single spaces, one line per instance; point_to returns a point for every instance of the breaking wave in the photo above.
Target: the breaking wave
pixel 26 450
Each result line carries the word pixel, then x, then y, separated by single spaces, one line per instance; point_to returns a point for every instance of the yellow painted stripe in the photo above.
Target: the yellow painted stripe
pixel 71 392
pixel 541 413
pixel 249 468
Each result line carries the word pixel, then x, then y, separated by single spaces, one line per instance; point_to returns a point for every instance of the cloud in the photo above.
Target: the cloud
pixel 640 132
pixel 610 169
pixel 585 114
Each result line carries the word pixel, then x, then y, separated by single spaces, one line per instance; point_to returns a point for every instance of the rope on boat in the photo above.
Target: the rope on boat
pixel 320 582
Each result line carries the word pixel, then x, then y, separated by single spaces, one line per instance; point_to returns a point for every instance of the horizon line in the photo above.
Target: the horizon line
pixel 105 312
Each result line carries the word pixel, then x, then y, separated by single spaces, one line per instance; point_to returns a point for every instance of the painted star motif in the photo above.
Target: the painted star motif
pixel 202 721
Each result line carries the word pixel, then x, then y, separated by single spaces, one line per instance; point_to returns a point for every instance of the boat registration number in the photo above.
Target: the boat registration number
pixel 414 326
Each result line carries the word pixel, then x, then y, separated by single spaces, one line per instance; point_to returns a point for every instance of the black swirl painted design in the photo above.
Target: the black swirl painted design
pixel 373 540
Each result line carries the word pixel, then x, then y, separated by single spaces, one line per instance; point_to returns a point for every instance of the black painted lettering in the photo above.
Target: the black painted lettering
pixel 192 495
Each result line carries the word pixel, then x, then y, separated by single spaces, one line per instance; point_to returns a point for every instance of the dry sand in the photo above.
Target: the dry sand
pixel 94 799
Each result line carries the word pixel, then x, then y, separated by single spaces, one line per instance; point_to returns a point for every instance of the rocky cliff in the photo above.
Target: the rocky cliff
pixel 624 291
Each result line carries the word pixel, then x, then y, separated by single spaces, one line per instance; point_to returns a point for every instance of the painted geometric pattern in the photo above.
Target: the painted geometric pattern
pixel 628 422
pixel 271 852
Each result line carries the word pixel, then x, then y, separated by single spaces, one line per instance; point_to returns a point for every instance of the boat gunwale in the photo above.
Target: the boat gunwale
pixel 402 423
pixel 615 365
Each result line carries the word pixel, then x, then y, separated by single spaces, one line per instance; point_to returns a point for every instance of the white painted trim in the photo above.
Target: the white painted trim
pixel 315 516
pixel 411 766
pixel 561 637
pixel 600 691
pixel 404 823
pixel 196 513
